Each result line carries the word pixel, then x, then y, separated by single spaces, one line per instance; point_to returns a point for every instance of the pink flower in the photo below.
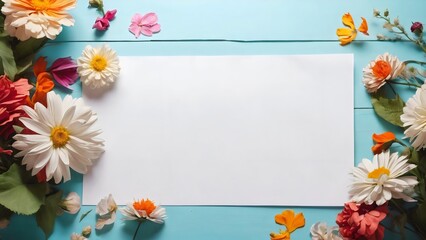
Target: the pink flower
pixel 147 24
pixel 417 28
pixel 361 221
pixel 13 95
pixel 64 71
pixel 102 23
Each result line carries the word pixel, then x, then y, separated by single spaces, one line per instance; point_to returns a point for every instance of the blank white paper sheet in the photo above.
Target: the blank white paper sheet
pixel 226 130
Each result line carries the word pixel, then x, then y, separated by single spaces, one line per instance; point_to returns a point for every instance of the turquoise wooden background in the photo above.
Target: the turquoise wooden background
pixel 238 27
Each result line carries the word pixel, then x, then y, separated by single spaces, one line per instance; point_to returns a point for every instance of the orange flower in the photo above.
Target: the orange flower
pixel 291 221
pixel 44 83
pixel 347 35
pixel 283 235
pixel 383 141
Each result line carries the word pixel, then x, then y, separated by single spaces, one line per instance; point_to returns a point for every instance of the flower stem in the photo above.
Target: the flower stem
pixel 415 61
pixel 136 232
pixel 406 84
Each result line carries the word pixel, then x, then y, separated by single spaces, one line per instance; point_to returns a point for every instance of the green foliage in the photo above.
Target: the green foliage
pixel 19 192
pixel 84 215
pixel 47 214
pixel 387 108
pixel 7 58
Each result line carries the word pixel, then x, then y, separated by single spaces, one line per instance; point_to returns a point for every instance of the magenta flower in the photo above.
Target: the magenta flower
pixel 417 27
pixel 147 24
pixel 64 71
pixel 102 23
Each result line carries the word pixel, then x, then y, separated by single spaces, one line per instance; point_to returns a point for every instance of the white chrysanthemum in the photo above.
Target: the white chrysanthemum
pixel 98 67
pixel 381 179
pixel 63 137
pixel 320 231
pixel 144 209
pixel 36 18
pixel 385 67
pixel 414 119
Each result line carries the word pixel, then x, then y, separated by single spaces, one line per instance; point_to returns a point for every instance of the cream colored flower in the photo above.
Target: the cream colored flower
pixel 71 204
pixel 144 209
pixel 385 67
pixel 106 209
pixel 382 179
pixel 414 119
pixel 320 231
pixel 64 137
pixel 86 231
pixel 98 67
pixel 37 18
pixel 76 236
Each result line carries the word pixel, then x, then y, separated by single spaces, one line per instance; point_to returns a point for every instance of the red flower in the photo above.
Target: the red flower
pixel 102 23
pixel 417 28
pixel 13 96
pixel 361 221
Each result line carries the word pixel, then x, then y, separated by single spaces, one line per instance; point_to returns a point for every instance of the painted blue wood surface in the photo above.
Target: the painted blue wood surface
pixel 302 27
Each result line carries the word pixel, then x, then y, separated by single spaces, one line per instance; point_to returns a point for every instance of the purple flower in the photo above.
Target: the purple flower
pixel 147 24
pixel 417 28
pixel 64 71
pixel 102 23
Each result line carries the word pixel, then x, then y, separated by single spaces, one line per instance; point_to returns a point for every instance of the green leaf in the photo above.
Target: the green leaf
pixel 47 214
pixel 7 59
pixel 389 109
pixel 19 193
pixel 84 215
pixel 28 48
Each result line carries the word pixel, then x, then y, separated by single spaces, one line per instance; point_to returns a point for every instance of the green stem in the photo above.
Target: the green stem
pixel 136 232
pixel 415 61
pixel 401 143
pixel 406 84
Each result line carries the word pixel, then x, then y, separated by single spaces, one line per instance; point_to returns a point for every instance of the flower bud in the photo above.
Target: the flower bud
pixel 376 13
pixel 396 21
pixel 381 37
pixel 96 3
pixel 417 28
pixel 86 231
pixel 71 204
pixel 386 13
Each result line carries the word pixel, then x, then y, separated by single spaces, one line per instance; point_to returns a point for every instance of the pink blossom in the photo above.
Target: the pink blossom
pixel 64 71
pixel 362 221
pixel 13 95
pixel 147 24
pixel 102 23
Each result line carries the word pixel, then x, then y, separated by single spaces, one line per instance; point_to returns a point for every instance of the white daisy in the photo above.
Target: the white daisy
pixel 320 231
pixel 414 117
pixel 63 137
pixel 144 209
pixel 98 67
pixel 381 179
pixel 385 67
pixel 37 18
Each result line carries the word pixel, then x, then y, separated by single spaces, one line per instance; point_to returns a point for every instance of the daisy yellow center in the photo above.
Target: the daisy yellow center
pixel 381 69
pixel 144 205
pixel 378 172
pixel 98 63
pixel 40 5
pixel 59 136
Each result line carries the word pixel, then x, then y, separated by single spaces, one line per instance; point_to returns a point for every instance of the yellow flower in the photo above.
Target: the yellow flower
pixel 347 35
pixel 291 221
pixel 283 235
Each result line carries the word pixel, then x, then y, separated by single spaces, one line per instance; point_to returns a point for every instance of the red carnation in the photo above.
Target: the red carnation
pixel 362 221
pixel 13 96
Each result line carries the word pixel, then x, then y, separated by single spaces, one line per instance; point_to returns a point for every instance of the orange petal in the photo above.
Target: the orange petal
pixel 346 35
pixel 283 235
pixel 363 27
pixel 40 66
pixel 43 86
pixel 377 148
pixel 348 20
pixel 384 137
pixel 288 219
